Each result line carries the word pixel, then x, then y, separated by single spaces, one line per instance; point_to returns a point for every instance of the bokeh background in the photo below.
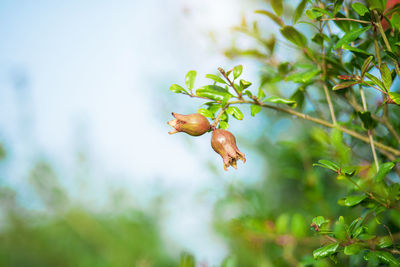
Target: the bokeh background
pixel 86 158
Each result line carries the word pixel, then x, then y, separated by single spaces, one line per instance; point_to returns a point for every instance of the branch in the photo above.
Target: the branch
pixel 349 19
pixel 361 137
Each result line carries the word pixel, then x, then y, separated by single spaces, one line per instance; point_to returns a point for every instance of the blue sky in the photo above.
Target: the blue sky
pixel 93 77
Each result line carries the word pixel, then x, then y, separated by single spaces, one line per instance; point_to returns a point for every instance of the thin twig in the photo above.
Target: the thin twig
pixel 349 19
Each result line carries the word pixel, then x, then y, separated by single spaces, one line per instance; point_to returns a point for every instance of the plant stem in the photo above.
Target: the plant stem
pixel 349 19
pixel 385 40
pixel 217 119
pixel 231 84
pixel 371 140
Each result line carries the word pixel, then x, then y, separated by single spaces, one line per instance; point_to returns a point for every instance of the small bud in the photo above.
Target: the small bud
pixel 224 143
pixel 193 124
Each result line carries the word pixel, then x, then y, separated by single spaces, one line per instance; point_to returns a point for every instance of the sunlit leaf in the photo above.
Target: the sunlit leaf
pixel 384 169
pixel 178 89
pixel 277 6
pixel 360 8
pixel 325 251
pixel 190 77
pixel 254 109
pixel 237 71
pixel 272 16
pixel 350 201
pixel 386 76
pixel 351 36
pixel 294 36
pixel 216 78
pixel 235 112
pixel 213 92
pixel 279 100
pixel 299 10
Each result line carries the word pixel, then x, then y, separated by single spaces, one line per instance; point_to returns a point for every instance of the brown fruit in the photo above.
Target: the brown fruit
pixel 193 124
pixel 224 143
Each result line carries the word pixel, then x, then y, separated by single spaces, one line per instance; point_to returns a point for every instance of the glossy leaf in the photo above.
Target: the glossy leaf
pixel 384 170
pixel 213 92
pixel 244 84
pixel 384 242
pixel 319 220
pixel 386 76
pixel 353 249
pixel 325 251
pixel 355 49
pixel 344 85
pixel 223 125
pixel 237 71
pixel 299 10
pixel 216 78
pixel 279 100
pixel 277 6
pixel 351 36
pixel 178 89
pixel 360 8
pixel 272 16
pixel 235 112
pixel 254 109
pixel 206 113
pixel 294 36
pixel 190 77
pixel 350 201
pixel 327 164
pixel 365 65
pixel 383 256
pixel 395 97
pixel 375 80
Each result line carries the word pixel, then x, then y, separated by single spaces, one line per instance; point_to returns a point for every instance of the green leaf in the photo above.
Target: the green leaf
pixel 355 49
pixel 383 256
pixel 360 8
pixel 353 249
pixel 384 169
pixel 337 6
pixel 319 220
pixel 325 251
pixel 248 93
pixel 303 77
pixel 313 14
pixel 213 92
pixel 215 78
pixel 223 125
pixel 272 16
pixel 206 113
pixel 294 36
pixel 279 100
pixel 178 89
pixel 235 112
pixel 260 94
pixel 377 4
pixel 244 84
pixel 299 10
pixel 344 85
pixel 350 201
pixel 375 80
pixel 190 77
pixel 254 109
pixel 365 65
pixel 395 21
pixel 351 36
pixel 384 242
pixel 277 6
pixel 327 164
pixel 395 97
pixel 367 120
pixel 237 70
pixel 386 76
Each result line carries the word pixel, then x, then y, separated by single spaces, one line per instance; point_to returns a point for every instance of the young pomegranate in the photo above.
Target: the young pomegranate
pixel 193 124
pixel 224 143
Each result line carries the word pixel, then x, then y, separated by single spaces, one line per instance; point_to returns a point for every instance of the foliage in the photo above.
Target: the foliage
pixel 332 191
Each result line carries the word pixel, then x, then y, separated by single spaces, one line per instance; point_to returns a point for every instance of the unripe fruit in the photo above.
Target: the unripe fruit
pixel 193 124
pixel 224 143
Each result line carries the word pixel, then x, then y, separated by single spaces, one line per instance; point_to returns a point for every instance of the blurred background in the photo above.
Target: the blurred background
pixel 87 167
